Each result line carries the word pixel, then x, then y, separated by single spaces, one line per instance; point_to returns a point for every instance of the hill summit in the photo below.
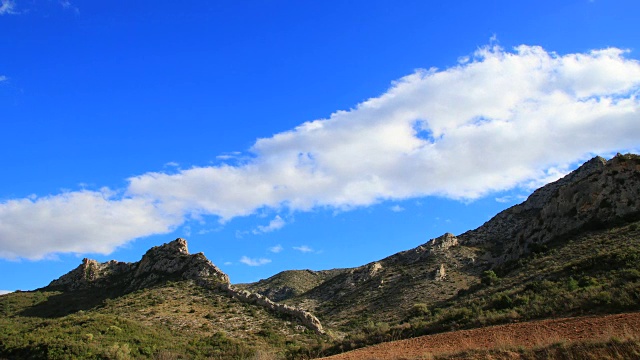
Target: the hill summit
pixel 162 264
pixel 170 261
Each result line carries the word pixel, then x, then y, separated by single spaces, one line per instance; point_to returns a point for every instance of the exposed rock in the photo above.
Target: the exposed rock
pixel 441 273
pixel 543 195
pixel 170 261
pixel 307 319
pixel 91 272
pixel 160 263
pixel 290 283
pixel 437 245
pixel 363 273
pixel 444 242
pixel 596 194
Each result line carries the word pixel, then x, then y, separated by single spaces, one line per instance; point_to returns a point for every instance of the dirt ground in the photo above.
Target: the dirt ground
pixel 526 334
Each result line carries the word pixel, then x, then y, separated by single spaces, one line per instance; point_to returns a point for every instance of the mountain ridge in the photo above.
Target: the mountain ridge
pixel 597 194
pixel 572 248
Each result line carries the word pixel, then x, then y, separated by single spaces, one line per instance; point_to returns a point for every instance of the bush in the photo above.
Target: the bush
pixel 587 281
pixel 572 284
pixel 489 277
pixel 501 301
pixel 420 310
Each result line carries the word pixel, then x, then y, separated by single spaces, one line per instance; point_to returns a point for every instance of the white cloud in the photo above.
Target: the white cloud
pixel 276 249
pixel 494 123
pixel 3 78
pixel 396 208
pixel 207 231
pixel 510 198
pixel 273 225
pixel 254 262
pixel 497 121
pixel 303 248
pixel 7 7
pixel 2 292
pixel 66 4
pixel 77 222
pixel 504 199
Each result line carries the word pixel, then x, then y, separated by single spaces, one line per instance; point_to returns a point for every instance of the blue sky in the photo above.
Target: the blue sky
pixel 279 135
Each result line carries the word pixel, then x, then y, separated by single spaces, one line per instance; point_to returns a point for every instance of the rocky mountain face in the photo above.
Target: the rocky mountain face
pixel 598 194
pixel 170 261
pixel 576 242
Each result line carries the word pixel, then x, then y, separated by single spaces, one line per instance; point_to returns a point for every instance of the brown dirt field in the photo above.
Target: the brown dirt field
pixel 526 334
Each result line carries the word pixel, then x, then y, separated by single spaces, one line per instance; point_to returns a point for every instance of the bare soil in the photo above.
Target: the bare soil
pixel 526 334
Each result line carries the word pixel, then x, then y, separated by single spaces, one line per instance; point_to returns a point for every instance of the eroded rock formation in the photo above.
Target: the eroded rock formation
pixel 170 261
pixel 597 194
pixel 307 319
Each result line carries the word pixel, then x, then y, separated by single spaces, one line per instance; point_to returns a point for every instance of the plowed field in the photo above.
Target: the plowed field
pixel 526 334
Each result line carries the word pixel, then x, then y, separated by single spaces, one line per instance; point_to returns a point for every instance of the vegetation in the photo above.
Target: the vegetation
pixel 173 321
pixel 594 273
pixel 594 268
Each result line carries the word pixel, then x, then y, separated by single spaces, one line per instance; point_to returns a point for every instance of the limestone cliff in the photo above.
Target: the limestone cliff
pixel 598 194
pixel 170 261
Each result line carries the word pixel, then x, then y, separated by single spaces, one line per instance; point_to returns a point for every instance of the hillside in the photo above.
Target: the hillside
pixel 584 337
pixel 598 197
pixel 170 303
pixel 572 248
pixel 291 283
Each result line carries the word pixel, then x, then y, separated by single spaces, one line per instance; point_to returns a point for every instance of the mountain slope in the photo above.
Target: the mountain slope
pixel 290 283
pixel 599 195
pixel 572 248
pixel 170 303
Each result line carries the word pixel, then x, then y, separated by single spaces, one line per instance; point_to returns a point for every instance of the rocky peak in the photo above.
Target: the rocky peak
pixel 174 248
pixel 170 261
pixel 544 194
pixel 444 242
pixel 91 272
pixel 597 194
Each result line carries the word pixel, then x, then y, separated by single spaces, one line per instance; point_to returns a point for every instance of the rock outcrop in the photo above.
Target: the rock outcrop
pixel 598 194
pixel 170 261
pixel 173 260
pixel 307 319
pixel 92 273
pixel 440 245
pixel 441 273
pixel 444 242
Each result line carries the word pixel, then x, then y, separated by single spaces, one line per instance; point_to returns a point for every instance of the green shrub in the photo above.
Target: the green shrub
pixel 501 301
pixel 572 284
pixel 420 310
pixel 489 277
pixel 587 281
